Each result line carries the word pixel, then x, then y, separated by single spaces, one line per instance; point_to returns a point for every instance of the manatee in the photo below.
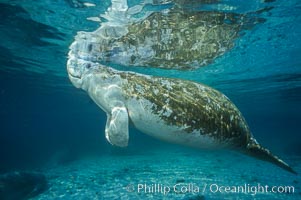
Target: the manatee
pixel 173 110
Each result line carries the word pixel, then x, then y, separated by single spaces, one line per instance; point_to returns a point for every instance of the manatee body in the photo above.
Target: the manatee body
pixel 173 110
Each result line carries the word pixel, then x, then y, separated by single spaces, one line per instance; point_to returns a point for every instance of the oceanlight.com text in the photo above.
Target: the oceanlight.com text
pixel 182 188
pixel 251 189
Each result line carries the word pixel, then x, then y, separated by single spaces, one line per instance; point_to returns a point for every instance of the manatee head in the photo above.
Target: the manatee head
pixel 80 59
pixel 77 69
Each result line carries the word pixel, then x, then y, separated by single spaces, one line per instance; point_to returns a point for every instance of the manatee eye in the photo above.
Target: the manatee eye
pixel 88 66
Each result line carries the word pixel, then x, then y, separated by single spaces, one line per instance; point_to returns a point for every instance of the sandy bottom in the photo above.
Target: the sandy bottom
pixel 172 174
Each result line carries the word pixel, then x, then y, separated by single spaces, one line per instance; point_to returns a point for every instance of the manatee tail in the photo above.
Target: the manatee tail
pixel 256 150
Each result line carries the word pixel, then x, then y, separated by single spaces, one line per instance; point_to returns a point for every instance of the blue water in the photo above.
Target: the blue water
pixel 46 121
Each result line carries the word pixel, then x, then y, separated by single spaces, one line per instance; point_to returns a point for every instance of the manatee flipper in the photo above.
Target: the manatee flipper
pixel 117 127
pixel 256 150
